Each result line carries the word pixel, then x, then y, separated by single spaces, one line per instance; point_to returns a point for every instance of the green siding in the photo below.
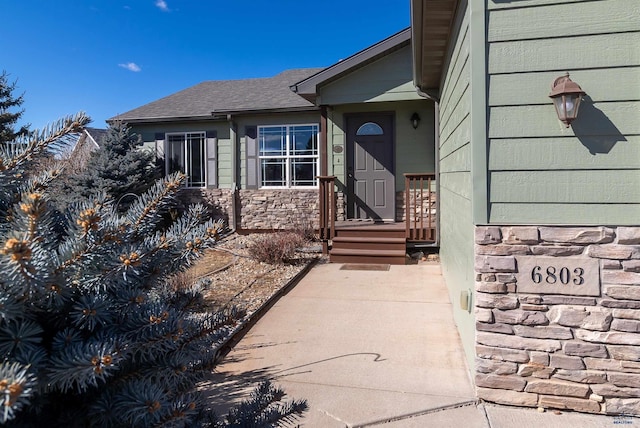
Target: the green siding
pixel 455 183
pixel 560 154
pixel 596 186
pixel 565 53
pixel 541 172
pixel 533 88
pixel 527 121
pixel 387 79
pixel 561 214
pixel 561 19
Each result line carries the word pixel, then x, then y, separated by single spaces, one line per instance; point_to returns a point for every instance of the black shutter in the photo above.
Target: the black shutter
pixel 212 156
pixel 253 161
pixel 160 151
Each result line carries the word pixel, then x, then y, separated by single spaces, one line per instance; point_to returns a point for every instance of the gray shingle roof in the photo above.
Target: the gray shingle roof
pixel 225 96
pixel 96 133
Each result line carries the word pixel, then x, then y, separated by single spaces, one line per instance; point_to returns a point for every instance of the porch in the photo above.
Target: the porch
pixel 368 241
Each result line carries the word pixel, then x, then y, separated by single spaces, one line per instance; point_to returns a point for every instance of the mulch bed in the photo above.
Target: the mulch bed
pixel 236 279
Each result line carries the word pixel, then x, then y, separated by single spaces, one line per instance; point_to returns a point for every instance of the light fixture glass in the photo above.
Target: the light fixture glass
pixel 566 96
pixel 415 120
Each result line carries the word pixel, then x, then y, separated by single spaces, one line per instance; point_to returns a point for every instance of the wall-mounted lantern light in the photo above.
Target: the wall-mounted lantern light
pixel 566 96
pixel 415 120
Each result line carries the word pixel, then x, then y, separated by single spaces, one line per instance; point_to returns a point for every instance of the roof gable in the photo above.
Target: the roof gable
pixel 387 79
pixel 308 88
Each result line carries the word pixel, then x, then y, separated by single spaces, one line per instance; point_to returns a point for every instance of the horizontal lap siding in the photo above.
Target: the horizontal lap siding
pixel 387 79
pixel 456 223
pixel 539 171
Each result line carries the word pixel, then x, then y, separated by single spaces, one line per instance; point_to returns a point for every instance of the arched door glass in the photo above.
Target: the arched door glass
pixel 370 128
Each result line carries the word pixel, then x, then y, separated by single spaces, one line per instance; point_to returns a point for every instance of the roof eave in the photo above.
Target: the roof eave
pixel 430 23
pixel 159 119
pixel 217 115
pixel 416 41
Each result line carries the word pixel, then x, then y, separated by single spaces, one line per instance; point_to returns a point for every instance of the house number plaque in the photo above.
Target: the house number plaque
pixel 576 276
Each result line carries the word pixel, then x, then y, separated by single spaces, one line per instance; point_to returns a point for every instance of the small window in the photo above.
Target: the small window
pixel 370 128
pixel 186 153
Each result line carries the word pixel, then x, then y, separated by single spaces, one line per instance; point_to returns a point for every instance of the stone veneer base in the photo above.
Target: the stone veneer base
pixel 277 209
pixel 559 351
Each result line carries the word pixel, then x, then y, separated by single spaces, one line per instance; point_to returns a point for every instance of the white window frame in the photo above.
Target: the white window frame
pixel 288 156
pixel 187 156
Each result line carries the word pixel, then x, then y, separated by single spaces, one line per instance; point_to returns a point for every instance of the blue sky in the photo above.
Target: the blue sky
pixel 107 57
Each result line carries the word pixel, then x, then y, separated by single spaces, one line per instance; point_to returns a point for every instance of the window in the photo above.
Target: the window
pixel 186 153
pixel 370 128
pixel 288 155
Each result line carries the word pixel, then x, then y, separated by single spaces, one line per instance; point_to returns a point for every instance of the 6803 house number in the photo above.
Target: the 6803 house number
pixel 553 275
pixel 577 276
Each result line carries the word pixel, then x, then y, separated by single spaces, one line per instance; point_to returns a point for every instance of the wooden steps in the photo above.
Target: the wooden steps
pixel 369 243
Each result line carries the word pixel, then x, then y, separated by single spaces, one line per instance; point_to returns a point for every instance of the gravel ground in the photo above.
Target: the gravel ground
pixel 239 280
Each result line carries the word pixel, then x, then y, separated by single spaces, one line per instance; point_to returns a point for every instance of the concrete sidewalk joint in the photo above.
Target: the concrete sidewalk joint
pixel 416 414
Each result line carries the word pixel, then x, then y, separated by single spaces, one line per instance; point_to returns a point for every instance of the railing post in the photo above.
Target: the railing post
pixel 327 208
pixel 407 206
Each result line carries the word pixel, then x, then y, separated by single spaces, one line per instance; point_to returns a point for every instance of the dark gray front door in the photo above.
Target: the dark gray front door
pixel 370 166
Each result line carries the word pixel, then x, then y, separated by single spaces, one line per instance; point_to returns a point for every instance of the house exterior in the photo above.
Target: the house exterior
pixel 254 148
pixel 540 223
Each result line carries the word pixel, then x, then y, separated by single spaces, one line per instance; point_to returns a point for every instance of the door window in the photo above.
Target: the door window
pixel 370 128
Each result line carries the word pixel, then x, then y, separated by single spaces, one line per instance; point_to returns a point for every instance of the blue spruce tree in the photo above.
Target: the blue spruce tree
pixel 91 332
pixel 119 167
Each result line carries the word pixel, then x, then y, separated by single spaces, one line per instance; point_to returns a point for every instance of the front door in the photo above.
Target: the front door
pixel 370 166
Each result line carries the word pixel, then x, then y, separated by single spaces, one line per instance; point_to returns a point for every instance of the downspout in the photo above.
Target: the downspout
pixel 436 124
pixel 233 136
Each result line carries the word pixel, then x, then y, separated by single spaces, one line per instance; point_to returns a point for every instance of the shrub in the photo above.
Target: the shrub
pixel 277 247
pixel 91 331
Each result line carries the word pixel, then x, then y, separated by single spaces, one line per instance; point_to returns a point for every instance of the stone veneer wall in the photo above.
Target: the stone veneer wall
pixel 427 208
pixel 218 201
pixel 559 351
pixel 341 206
pixel 282 209
pixel 278 209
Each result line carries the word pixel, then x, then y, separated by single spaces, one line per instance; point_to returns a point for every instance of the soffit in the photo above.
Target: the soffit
pixel 431 22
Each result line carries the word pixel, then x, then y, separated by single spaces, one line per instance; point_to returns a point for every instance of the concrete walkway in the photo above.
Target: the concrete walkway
pixel 370 348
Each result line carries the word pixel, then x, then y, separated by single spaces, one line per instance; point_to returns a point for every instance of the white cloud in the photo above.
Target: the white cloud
pixel 162 5
pixel 131 66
